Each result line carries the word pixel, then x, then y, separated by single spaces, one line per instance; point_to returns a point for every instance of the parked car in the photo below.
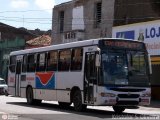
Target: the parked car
pixel 3 87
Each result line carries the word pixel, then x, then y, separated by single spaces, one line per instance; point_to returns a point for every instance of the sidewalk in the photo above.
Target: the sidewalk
pixel 154 104
pixel 154 107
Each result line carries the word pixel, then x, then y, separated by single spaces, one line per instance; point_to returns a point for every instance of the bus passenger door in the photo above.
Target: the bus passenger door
pixel 90 77
pixel 18 78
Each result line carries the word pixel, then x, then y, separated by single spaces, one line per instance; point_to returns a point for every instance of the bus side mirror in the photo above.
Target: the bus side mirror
pixel 150 66
pixel 98 63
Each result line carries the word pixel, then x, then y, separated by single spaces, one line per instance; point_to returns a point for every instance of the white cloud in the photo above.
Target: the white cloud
pixel 19 3
pixel 45 4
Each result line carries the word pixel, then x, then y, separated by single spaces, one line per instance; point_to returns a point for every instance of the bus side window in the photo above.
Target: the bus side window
pixel 31 63
pixel 24 64
pixel 64 60
pixel 52 60
pixel 12 64
pixel 41 62
pixel 77 56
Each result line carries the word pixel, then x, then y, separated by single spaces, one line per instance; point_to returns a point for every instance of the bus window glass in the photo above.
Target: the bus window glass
pixel 31 63
pixel 64 60
pixel 52 61
pixel 77 55
pixel 137 62
pixel 114 67
pixel 24 64
pixel 12 63
pixel 41 62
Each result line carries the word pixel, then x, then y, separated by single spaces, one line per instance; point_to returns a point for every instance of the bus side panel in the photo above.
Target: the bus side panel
pixel 65 82
pixel 23 92
pixel 11 83
pixel 45 94
pixel 45 86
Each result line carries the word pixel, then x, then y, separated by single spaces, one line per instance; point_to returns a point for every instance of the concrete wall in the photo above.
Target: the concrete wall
pixel 67 8
pixel 105 28
pixel 134 11
pixel 90 32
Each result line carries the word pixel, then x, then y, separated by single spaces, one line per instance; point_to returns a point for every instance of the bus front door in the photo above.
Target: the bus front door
pixel 17 78
pixel 90 77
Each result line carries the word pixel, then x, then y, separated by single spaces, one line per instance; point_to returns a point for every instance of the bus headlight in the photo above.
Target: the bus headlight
pixel 146 95
pixel 107 94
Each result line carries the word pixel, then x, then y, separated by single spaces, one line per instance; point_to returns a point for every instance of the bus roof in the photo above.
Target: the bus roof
pixel 63 46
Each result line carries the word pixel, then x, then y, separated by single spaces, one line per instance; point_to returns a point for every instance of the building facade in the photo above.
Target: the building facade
pixel 86 19
pixel 82 19
pixel 11 39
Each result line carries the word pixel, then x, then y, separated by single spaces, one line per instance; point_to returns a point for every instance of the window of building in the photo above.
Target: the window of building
pixel 64 60
pixel 61 21
pixel 52 61
pixel 41 62
pixel 98 14
pixel 70 35
pixel 31 63
pixel 77 56
pixel 12 63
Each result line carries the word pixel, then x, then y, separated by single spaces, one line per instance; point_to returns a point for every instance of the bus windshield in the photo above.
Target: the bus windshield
pixel 121 67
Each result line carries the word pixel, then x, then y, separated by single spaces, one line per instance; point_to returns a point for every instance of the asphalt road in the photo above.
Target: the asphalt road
pixel 17 109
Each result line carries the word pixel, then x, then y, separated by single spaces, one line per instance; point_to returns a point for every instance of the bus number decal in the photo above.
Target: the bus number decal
pixel 30 78
pixel 12 79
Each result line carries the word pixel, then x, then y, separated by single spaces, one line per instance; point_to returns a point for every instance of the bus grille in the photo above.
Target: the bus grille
pixel 128 96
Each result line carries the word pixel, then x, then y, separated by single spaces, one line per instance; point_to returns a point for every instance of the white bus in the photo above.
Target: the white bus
pixel 97 72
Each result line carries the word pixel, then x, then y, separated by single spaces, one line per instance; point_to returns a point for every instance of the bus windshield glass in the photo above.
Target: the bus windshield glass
pixel 124 67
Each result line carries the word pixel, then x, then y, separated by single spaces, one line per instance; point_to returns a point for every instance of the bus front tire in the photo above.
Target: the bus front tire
pixel 77 101
pixel 29 96
pixel 118 109
pixel 30 99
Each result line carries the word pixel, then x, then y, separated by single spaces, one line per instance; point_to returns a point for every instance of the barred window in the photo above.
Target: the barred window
pixel 98 14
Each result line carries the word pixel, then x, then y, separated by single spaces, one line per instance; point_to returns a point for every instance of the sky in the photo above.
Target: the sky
pixel 31 14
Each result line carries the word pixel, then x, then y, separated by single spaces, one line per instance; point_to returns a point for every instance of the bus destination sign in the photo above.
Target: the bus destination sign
pixel 124 44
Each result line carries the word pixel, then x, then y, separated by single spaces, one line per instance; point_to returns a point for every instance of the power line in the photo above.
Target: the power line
pixel 131 4
pixel 70 23
pixel 23 21
pixel 27 18
pixel 25 11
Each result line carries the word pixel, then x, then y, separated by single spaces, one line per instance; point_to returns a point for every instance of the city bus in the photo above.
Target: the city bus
pixel 96 72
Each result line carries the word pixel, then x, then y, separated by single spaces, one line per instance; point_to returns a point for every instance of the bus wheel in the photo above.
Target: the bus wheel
pixel 6 93
pixel 29 96
pixel 64 104
pixel 77 101
pixel 118 109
